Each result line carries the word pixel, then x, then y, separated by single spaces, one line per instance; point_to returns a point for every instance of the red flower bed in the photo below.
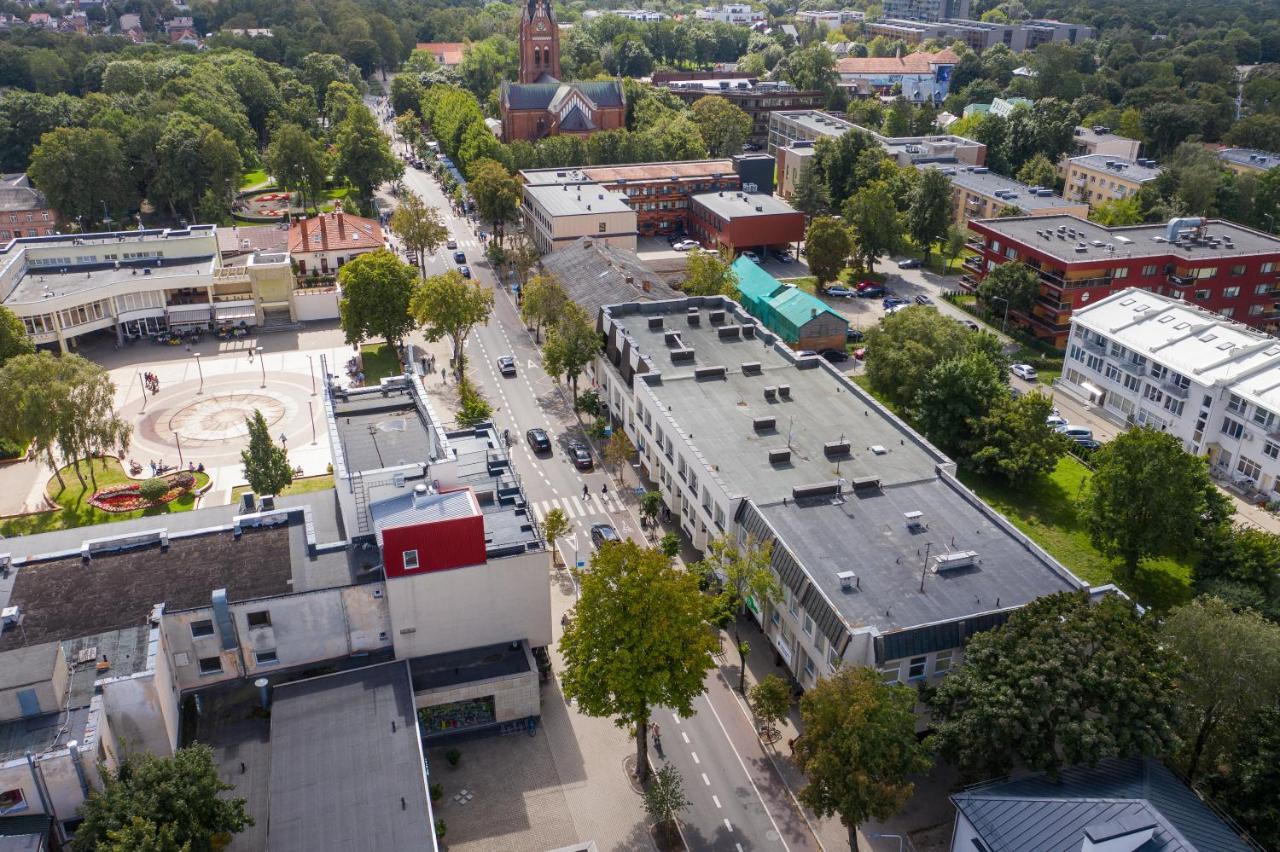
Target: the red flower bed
pixel 127 496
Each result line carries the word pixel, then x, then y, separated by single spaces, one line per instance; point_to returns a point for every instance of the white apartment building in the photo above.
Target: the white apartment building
pixel 557 214
pixel 1163 363
pixel 731 13
pixel 830 19
pixel 885 559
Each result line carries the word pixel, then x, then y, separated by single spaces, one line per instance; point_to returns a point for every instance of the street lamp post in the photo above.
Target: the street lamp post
pixel 200 369
pixel 311 366
pixel 311 416
pixel 263 365
pixel 143 382
pixel 1004 322
pixel 178 438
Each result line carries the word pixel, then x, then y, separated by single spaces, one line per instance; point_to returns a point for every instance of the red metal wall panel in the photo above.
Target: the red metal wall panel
pixel 441 545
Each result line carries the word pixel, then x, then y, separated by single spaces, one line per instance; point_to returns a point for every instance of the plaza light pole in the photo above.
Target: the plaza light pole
pixel 263 365
pixel 311 366
pixel 178 438
pixel 143 382
pixel 311 416
pixel 200 369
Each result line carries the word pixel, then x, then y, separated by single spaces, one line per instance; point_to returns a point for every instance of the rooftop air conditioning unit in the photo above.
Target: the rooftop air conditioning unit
pixel 944 562
pixel 848 581
pixel 914 520
pixel 9 616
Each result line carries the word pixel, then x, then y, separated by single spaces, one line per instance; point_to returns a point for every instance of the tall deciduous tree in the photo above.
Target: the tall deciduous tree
pixel 181 796
pixel 827 246
pixel 811 196
pixel 875 227
pixel 542 302
pixel 554 527
pixel 1065 681
pixel 450 306
pixel 266 466
pixel 723 124
pixel 905 346
pixel 419 226
pixel 363 154
pixel 298 162
pixel 1012 441
pixel 1148 496
pixel 745 573
pixel 859 747
pixel 1230 675
pixel 571 345
pixel 770 699
pixel 1038 171
pixel 639 639
pixel 496 193
pixel 83 173
pixel 929 213
pixel 1241 565
pixel 1013 283
pixel 956 394
pixel 377 289
pixel 706 273
pixel 13 336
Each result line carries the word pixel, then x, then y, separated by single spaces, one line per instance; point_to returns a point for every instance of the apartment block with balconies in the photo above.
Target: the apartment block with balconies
pixel 1214 383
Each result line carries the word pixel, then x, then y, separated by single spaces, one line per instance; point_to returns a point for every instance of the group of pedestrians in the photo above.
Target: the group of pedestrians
pixel 152 381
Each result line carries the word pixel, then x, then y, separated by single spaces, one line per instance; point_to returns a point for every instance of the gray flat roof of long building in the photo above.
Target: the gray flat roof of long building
pixel 347 770
pixel 1120 168
pixel 867 534
pixel 738 204
pixel 40 282
pixel 1251 157
pixel 586 199
pixel 1137 241
pixel 988 183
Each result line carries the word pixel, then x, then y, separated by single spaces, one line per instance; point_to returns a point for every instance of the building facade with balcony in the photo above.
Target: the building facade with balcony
pixel 756 98
pixel 1212 382
pixel 1223 267
pixel 979 35
pixel 134 284
pixel 979 193
pixel 1095 178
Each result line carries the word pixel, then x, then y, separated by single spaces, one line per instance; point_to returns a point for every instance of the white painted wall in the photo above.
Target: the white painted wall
pixel 315 304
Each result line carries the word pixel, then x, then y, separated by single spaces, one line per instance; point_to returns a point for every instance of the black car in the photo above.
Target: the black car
pixel 459 257
pixel 1086 445
pixel 922 299
pixel 581 456
pixel 507 365
pixel 539 440
pixel 602 534
pixel 909 263
pixel 464 271
pixel 835 356
pixel 853 335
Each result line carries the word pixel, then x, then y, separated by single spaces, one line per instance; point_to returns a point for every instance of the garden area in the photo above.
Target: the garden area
pixel 269 203
pixel 117 497
pixel 379 361
pixel 300 485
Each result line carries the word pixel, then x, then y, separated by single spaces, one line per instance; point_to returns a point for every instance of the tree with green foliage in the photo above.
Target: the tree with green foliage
pixel 266 466
pixel 1116 212
pixel 419 226
pixel 364 155
pixel 650 506
pixel 618 450
pixel 898 120
pixel 1038 171
pixel 903 347
pixel 725 127
pixel 177 801
pixel 1013 442
pixel 826 248
pixel 298 162
pixel 664 796
pixel 1066 681
pixel 929 213
pixel 13 336
pixel 875 228
pixel 473 408
pixel 956 394
pixel 746 575
pixel 1241 565
pixel 497 194
pixel 1246 789
pixel 770 699
pixel 955 243
pixel 811 196
pixel 154 488
pixel 83 173
pixel 859 747
pixel 409 128
pixel 572 344
pixel 811 68
pixel 376 291
pixel 555 526
pixel 449 305
pixel 1230 675
pixel 706 273
pixel 542 302
pixel 1148 496
pixel 638 640
pixel 1013 283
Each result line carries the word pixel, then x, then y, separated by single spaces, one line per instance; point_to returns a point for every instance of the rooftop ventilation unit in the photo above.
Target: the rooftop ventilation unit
pixel 748 331
pixel 694 318
pixel 878 450
pixel 784 391
pixel 914 520
pixel 678 355
pixel 672 339
pixel 771 392
pixel 781 455
pixel 751 368
pixel 655 323
pixel 10 616
pixel 717 372
pixel 815 489
pixel 848 581
pixel 729 332
pixel 944 562
pixel 833 449
pixel 716 317
pixel 865 483
pixel 764 424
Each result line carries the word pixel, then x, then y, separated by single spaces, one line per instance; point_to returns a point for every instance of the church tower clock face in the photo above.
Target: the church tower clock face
pixel 542 26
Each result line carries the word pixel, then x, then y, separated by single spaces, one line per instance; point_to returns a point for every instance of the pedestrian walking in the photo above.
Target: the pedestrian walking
pixel 604 489
pixel 585 491
pixel 444 375
pixel 250 356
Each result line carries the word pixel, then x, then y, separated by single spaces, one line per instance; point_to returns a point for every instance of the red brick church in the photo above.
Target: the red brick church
pixel 540 105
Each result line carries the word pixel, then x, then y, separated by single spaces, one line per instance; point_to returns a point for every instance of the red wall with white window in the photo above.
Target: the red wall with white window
pixel 441 545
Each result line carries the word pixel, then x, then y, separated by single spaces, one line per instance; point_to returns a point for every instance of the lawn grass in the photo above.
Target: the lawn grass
pixel 301 485
pixel 380 360
pixel 73 501
pixel 253 178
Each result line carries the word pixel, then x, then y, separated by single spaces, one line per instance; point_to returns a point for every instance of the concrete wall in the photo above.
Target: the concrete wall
pixel 142 709
pixel 515 697
pixel 315 304
pixel 49 693
pixel 501 601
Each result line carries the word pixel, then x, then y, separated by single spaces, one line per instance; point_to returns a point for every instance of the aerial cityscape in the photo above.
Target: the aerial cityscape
pixel 543 427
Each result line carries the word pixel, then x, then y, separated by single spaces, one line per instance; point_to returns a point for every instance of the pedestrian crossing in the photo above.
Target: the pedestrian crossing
pixel 576 507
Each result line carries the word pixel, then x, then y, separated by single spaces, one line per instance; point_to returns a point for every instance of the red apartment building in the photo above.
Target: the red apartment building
pixel 737 221
pixel 24 212
pixel 1219 266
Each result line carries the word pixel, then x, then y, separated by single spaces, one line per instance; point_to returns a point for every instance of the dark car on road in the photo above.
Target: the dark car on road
pixel 835 356
pixel 464 271
pixel 853 335
pixel 870 292
pixel 539 440
pixel 909 263
pixel 459 257
pixel 580 453
pixel 507 365
pixel 602 534
pixel 922 299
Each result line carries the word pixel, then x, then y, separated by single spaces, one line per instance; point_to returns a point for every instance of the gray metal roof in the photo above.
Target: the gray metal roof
pixel 347 770
pixel 603 93
pixel 1141 240
pixel 595 274
pixel 1251 157
pixel 1117 796
pixel 1121 168
pixel 984 182
pixel 407 508
pixel 588 199
pixel 86 278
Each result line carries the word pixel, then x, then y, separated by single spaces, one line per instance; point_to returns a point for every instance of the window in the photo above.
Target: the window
pixel 262 618
pixel 1159 371
pixel 12 801
pixel 1153 393
pixel 1255 310
pixel 1230 292
pixel 1227 312
pixel 1232 428
pixel 833 657
pixel 889 673
pixel 1132 382
pixel 915 669
pixel 793 605
pixel 1249 468
pixel 1261 289
pixel 210 665
pixel 201 628
pixel 1236 404
pixel 410 560
pixel 1148 271
pixel 266 657
pixel 1202 295
pixel 1174 406
pixel 808 625
pixel 720 518
pixel 942 663
pixel 808 667
pixel 1204 272
pixel 1121 272
pixel 1267 267
pixel 1238 269
pixel 1271 450
pixel 602 227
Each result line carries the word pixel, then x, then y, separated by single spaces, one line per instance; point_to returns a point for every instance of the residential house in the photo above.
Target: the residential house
pixel 323 243
pixel 920 77
pixel 24 211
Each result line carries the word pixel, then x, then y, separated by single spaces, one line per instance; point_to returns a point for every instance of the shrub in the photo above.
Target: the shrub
pixel 453 756
pixel 184 480
pixel 154 488
pixel 475 408
pixel 440 829
pixel 589 403
pixel 437 791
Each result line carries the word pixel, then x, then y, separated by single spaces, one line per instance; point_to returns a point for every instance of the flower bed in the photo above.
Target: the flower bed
pixel 127 496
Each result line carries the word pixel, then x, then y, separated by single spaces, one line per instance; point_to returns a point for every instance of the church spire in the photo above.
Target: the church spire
pixel 539 43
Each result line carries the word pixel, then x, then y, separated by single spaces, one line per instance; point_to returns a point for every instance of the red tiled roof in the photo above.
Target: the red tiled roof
pixel 912 63
pixel 448 53
pixel 334 232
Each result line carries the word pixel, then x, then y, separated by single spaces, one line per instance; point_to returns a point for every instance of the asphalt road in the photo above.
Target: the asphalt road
pixel 738 801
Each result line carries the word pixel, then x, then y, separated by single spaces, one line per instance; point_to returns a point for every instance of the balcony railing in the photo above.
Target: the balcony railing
pixel 1175 390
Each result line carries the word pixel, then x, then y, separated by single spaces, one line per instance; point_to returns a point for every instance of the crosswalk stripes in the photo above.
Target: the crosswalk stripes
pixel 573 507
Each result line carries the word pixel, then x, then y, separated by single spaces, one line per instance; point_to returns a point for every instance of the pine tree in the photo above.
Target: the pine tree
pixel 266 466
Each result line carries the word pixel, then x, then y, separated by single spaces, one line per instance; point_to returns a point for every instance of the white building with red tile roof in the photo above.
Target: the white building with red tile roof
pixel 325 242
pixel 920 76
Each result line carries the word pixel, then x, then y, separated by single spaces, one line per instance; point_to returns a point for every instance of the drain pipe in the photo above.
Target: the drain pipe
pixel 44 798
pixel 76 760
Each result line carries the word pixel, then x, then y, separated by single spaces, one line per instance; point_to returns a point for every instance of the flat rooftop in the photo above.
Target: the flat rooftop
pixel 382 430
pixel 347 769
pixel 1120 168
pixel 1088 134
pixel 1251 157
pixel 1137 241
pixel 44 282
pixel 736 204
pixel 678 170
pixel 470 665
pixel 586 199
pixel 720 413
pixel 816 121
pixel 867 534
pixel 984 182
